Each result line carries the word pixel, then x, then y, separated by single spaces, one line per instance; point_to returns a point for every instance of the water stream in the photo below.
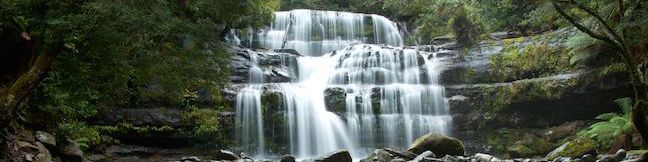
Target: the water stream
pixel 390 92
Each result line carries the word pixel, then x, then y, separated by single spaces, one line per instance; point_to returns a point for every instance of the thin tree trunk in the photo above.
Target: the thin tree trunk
pixel 640 85
pixel 24 85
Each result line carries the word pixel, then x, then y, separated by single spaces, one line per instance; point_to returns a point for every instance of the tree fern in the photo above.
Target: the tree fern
pixel 612 125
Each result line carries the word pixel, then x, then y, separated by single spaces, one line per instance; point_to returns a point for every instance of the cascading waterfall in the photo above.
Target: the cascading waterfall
pixel 391 94
pixel 314 33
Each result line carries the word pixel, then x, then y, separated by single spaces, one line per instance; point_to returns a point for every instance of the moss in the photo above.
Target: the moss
pixel 574 148
pixel 521 151
pixel 537 59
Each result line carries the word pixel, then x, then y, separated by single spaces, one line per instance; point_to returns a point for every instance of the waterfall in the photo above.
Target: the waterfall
pixel 315 33
pixel 389 92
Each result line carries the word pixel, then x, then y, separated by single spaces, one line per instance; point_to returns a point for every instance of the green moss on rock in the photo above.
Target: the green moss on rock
pixel 437 143
pixel 575 148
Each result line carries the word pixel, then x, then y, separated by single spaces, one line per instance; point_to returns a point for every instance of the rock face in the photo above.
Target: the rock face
pixel 440 145
pixel 277 66
pixel 339 156
pixel 575 148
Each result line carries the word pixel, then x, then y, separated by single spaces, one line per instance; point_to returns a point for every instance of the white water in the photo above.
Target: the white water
pixel 314 33
pixel 407 101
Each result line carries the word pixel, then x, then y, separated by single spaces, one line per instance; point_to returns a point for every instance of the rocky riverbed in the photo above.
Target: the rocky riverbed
pixel 430 148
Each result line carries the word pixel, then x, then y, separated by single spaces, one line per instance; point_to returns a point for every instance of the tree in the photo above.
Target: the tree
pixel 621 31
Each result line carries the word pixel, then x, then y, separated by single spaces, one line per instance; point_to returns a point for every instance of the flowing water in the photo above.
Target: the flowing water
pixel 389 93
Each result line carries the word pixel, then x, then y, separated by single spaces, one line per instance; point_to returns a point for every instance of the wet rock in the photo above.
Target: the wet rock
pixel 620 155
pixel 338 156
pixel 576 148
pixel 439 144
pixel 562 159
pixel 96 157
pixel 588 158
pixel 43 154
pixel 424 155
pixel 335 99
pixel 607 158
pixel 45 138
pixel 288 158
pixel 379 155
pixel 485 157
pixel 289 51
pixel 71 151
pixel 125 150
pixel 190 159
pixel 225 155
pixel 505 35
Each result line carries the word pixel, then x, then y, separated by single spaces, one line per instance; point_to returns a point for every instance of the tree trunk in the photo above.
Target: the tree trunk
pixel 639 113
pixel 24 85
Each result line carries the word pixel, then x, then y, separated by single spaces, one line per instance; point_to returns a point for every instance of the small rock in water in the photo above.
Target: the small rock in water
pixel 287 158
pixel 485 157
pixel 225 155
pixel 562 159
pixel 190 159
pixel 398 160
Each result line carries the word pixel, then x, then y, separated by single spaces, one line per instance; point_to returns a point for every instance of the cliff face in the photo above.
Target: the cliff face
pixel 500 92
pixel 511 94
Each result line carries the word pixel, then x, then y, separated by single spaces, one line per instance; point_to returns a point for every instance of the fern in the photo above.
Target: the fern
pixel 581 46
pixel 612 125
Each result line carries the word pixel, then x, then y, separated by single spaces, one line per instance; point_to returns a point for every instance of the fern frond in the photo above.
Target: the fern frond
pixel 581 46
pixel 625 104
pixel 612 68
pixel 607 116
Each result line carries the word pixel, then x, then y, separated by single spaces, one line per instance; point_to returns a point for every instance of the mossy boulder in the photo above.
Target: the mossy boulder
pixel 439 144
pixel 519 150
pixel 575 148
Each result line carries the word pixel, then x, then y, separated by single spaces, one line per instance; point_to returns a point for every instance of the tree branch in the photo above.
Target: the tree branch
pixel 600 20
pixel 581 27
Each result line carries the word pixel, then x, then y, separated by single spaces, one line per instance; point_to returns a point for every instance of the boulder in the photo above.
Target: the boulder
pixel 71 151
pixel 45 138
pixel 379 155
pixel 338 156
pixel 437 143
pixel 576 148
pixel 225 155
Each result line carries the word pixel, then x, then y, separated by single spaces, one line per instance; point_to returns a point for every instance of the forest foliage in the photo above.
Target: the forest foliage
pixel 120 53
